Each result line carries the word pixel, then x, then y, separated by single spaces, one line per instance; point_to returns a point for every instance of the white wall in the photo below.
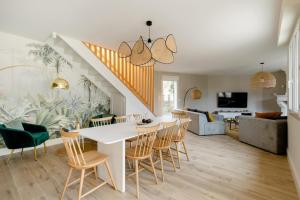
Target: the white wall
pixel 258 99
pixel 294 147
pixel 185 81
pixel 233 84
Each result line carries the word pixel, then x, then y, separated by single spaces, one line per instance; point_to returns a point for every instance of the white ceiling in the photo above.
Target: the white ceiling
pixel 213 36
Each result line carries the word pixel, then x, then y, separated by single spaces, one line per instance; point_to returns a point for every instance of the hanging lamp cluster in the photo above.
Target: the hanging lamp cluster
pixel 263 79
pixel 140 54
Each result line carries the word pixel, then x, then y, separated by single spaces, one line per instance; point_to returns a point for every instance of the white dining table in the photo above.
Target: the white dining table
pixel 111 141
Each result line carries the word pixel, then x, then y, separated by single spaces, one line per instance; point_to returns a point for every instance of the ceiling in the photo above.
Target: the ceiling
pixel 290 11
pixel 213 36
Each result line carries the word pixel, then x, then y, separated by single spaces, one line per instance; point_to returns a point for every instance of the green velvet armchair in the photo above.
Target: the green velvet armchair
pixel 32 136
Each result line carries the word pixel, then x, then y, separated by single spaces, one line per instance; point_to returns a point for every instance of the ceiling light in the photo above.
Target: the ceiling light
pixel 141 54
pixel 263 79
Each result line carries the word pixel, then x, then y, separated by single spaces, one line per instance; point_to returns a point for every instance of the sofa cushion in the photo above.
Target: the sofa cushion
pixel 268 115
pixel 211 117
pixel 192 110
pixel 15 124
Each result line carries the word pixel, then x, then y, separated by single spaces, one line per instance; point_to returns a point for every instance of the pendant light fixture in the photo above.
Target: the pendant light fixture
pixel 59 83
pixel 263 79
pixel 144 54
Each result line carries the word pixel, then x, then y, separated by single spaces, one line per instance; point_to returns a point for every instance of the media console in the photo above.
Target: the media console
pixel 233 114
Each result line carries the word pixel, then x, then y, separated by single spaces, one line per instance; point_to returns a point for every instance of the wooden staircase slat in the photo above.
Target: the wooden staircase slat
pixel 139 80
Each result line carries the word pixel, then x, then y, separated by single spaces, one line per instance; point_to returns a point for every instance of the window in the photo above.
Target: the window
pixel 293 82
pixel 169 93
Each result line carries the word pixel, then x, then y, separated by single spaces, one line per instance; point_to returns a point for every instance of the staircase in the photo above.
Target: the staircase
pixel 129 87
pixel 139 80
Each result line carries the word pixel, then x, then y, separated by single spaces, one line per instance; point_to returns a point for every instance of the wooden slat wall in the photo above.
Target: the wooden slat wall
pixel 139 80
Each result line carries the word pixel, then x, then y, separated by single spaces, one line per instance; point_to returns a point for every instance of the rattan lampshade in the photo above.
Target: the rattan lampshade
pixel 196 94
pixel 263 80
pixel 146 54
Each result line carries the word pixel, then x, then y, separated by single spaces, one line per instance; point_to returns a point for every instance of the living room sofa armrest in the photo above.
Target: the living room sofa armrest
pixel 219 117
pixel 217 127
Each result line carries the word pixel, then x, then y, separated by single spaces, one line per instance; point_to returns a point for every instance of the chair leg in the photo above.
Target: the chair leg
pixel 82 143
pixel 178 158
pixel 171 155
pixel 66 184
pixel 110 175
pixel 81 184
pixel 22 153
pixel 137 178
pixel 10 155
pixel 34 153
pixel 95 171
pixel 45 148
pixel 161 165
pixel 186 153
pixel 129 164
pixel 153 168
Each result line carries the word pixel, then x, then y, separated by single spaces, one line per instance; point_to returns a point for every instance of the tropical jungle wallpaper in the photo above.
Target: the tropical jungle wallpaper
pixel 27 69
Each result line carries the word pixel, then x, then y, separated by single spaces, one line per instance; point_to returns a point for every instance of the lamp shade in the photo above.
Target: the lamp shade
pixel 263 80
pixel 60 83
pixel 196 94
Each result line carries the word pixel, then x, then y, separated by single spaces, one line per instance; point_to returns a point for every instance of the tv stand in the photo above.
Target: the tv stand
pixel 233 114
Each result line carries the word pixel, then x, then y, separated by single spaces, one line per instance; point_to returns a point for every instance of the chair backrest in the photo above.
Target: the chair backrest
pixel 101 121
pixel 137 117
pixel 122 119
pixel 165 135
pixel 73 149
pixel 145 139
pixel 183 126
pixel 179 114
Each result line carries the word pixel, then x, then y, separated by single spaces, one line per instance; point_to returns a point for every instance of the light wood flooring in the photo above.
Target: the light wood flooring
pixel 220 168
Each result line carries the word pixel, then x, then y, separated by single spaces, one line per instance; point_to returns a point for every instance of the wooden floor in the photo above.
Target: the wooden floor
pixel 220 168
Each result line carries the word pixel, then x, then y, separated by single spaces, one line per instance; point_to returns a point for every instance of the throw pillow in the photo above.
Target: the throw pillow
pixel 211 117
pixel 205 113
pixel 268 115
pixel 15 124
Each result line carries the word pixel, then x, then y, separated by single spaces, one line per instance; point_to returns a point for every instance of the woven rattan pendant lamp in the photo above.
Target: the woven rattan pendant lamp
pixel 147 52
pixel 263 79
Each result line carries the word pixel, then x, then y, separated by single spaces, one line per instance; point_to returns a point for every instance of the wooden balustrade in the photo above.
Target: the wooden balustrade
pixel 139 80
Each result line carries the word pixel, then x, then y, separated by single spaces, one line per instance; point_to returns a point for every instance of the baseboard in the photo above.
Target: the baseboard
pixel 6 151
pixel 296 176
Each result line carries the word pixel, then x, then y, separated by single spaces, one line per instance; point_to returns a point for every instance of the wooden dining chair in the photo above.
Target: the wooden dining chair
pixel 142 151
pixel 163 143
pixel 77 160
pixel 101 121
pixel 179 138
pixel 122 119
pixel 178 114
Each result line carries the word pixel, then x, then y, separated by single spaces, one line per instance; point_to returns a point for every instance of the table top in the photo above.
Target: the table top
pixel 113 133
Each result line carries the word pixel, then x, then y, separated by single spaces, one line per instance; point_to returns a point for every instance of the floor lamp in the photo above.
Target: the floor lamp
pixel 196 94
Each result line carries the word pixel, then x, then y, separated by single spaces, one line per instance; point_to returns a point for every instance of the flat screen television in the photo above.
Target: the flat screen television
pixel 232 99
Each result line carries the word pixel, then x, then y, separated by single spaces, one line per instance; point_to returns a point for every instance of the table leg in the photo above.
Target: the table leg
pixel 116 153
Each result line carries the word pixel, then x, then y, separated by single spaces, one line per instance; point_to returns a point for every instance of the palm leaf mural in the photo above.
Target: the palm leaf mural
pixel 88 85
pixel 54 122
pixel 48 55
pixel 22 112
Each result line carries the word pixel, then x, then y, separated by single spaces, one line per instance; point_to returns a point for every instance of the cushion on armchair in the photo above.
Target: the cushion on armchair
pixel 15 124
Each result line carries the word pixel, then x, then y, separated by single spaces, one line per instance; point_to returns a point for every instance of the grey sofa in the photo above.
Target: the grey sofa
pixel 200 126
pixel 270 135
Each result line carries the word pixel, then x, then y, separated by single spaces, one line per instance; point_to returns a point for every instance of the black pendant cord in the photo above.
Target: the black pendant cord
pixel 262 66
pixel 149 39
pixel 149 24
